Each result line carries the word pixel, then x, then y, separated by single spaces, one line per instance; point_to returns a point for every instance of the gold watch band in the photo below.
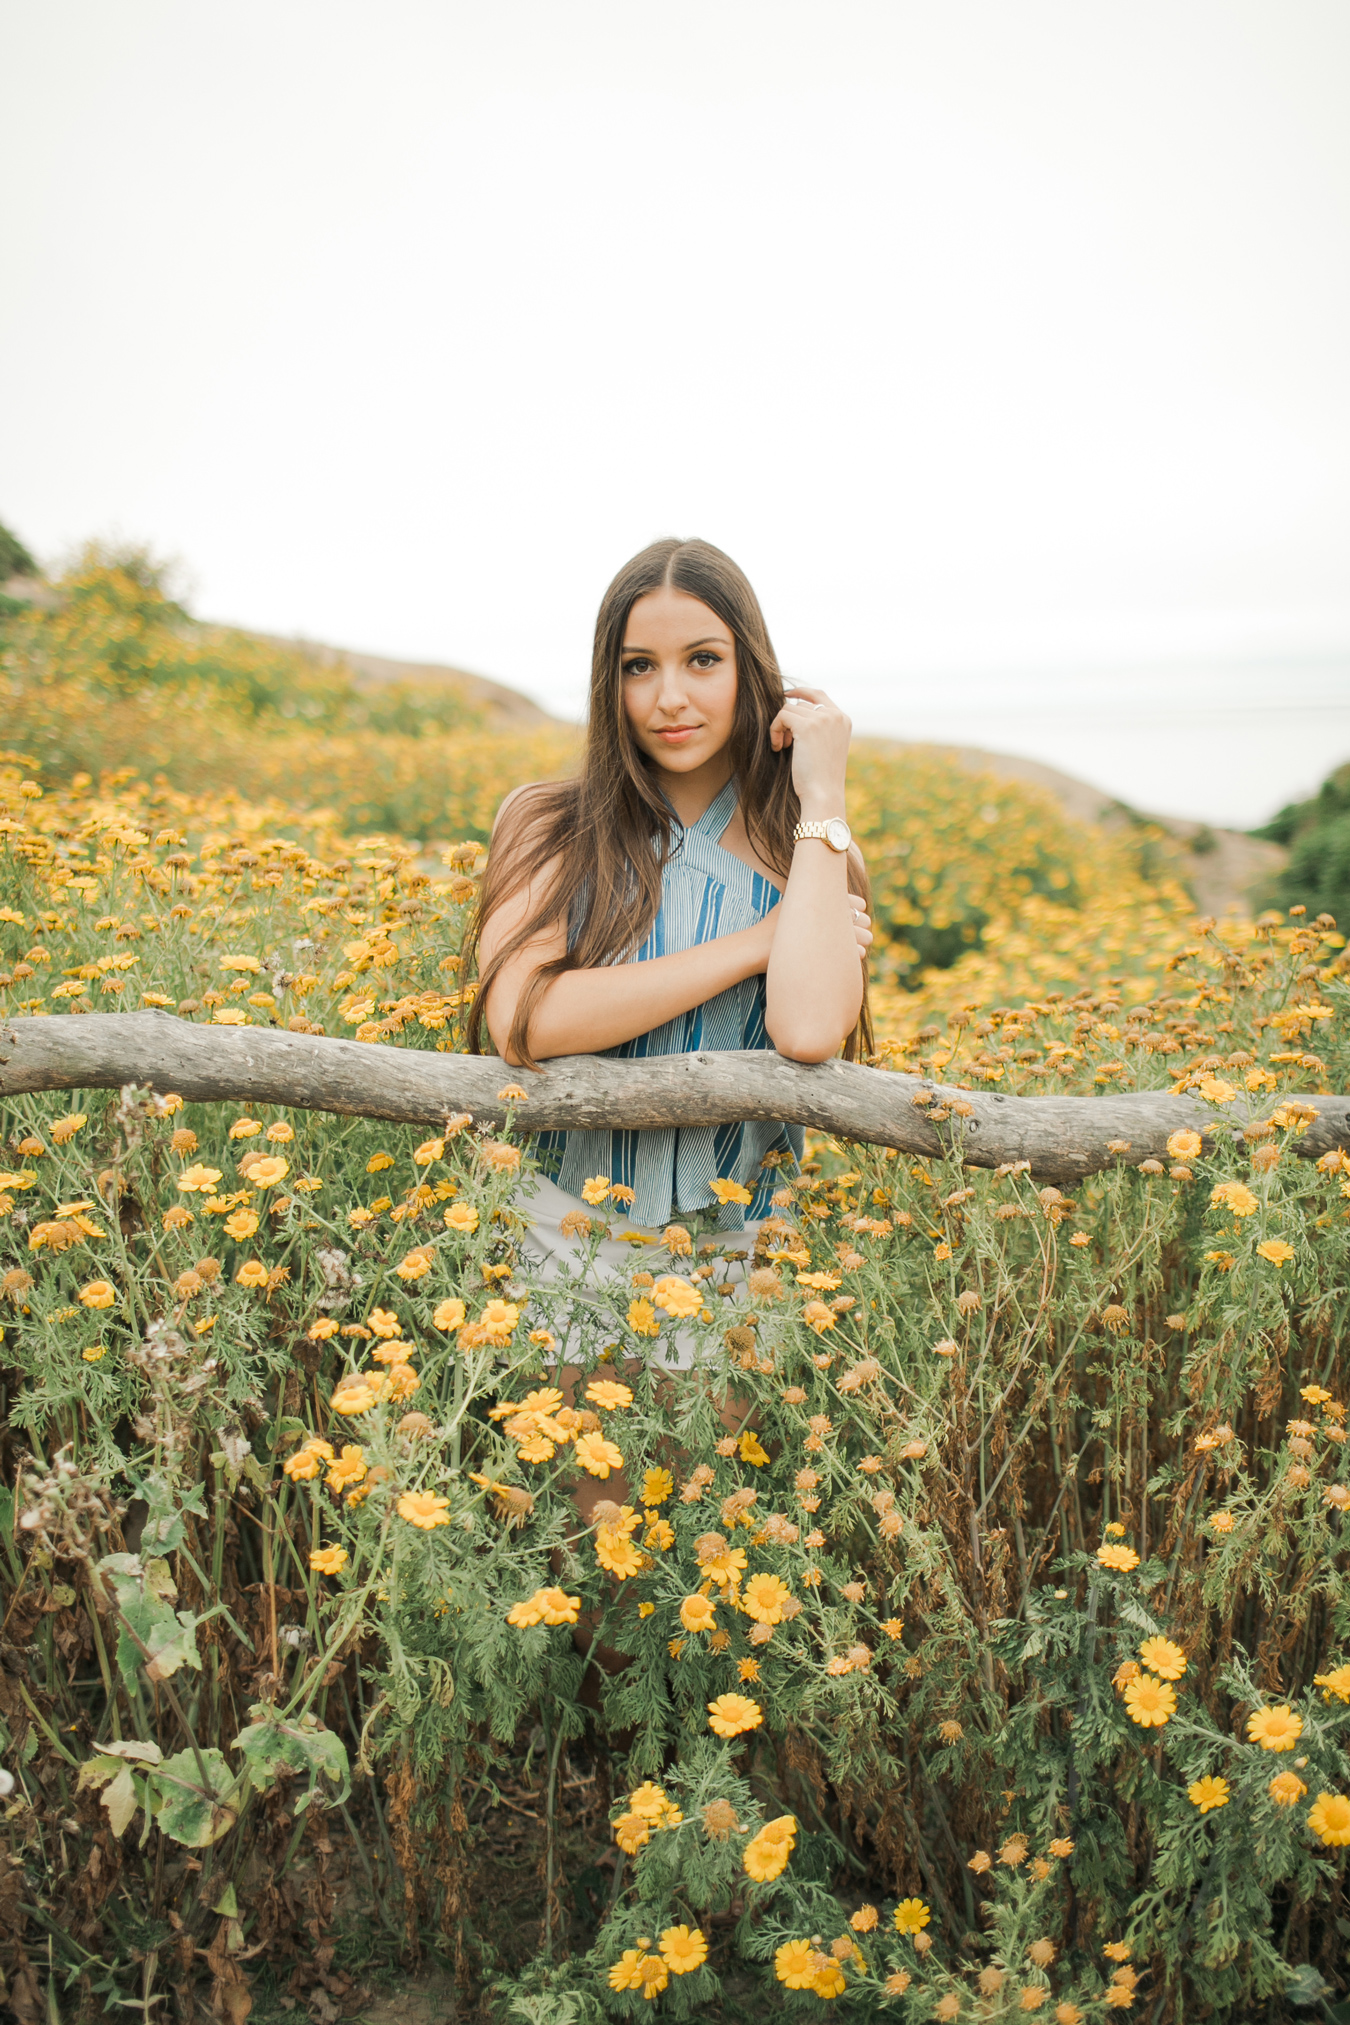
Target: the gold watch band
pixel 834 831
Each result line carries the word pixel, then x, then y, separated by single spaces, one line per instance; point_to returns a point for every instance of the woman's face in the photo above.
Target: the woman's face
pixel 679 680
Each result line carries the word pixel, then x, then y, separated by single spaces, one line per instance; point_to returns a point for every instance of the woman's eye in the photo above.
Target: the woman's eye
pixel 638 666
pixel 705 659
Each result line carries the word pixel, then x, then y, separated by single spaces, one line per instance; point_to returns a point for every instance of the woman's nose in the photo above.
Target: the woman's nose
pixel 672 694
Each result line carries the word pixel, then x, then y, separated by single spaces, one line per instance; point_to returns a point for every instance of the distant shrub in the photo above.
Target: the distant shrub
pixel 15 561
pixel 1317 833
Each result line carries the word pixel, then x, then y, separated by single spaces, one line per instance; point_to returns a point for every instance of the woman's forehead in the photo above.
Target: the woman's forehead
pixel 672 617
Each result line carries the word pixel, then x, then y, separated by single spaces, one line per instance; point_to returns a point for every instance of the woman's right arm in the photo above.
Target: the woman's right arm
pixel 584 1011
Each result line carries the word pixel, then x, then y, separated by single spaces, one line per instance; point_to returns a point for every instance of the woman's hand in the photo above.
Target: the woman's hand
pixel 818 733
pixel 862 923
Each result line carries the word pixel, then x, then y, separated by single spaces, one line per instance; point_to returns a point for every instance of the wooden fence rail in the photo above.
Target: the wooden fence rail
pixel 1064 1138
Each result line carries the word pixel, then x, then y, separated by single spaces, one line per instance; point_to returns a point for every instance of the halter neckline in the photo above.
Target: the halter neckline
pixel 718 813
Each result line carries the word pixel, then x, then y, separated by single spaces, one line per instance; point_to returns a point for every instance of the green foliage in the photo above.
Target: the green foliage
pixel 15 560
pixel 1317 833
pixel 307 1609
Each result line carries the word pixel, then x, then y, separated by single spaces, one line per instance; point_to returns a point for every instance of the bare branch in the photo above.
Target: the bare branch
pixel 1064 1138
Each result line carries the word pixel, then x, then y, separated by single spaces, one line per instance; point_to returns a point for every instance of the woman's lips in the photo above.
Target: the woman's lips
pixel 676 734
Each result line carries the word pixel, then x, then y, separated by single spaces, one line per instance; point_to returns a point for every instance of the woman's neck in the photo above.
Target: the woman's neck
pixel 691 795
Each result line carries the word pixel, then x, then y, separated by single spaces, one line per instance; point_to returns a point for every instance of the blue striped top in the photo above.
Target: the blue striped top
pixel 706 891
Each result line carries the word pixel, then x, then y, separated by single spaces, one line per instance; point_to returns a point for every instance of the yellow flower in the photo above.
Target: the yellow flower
pixel 657 1486
pixel 607 1393
pixel 461 1216
pixel 697 1613
pixel 241 1224
pixel 420 1509
pixel 1164 1658
pixel 378 1162
pixel 828 1981
pixel 1277 1729
pixel 729 1715
pixel 818 1317
pixel 1329 1818
pixel 751 1450
pixel 1150 1702
pixel 649 1800
pixel 202 1179
pixel 428 1151
pixel 498 1321
pixel 97 1294
pixel 864 1920
pixel 415 1264
pixel 659 1534
pixel 230 1016
pixel 629 1972
pixel 763 1598
pixel 448 1315
pixel 349 1468
pixel 497 1154
pixel 683 1949
pixel 677 1296
pixel 1215 1091
pixel 1207 1794
pixel 263 1173
pixel 613 1548
pixel 766 1855
pixel 731 1191
pixel 595 1190
pixel 546 1606
pixel 631 1831
pixel 1277 1251
pixel 1235 1197
pixel 94 1352
pixel 329 1560
pixel 1183 1145
pixel 357 1393
pixel 1122 1559
pixel 911 1916
pixel 795 1964
pixel 1335 1683
pixel 307 1461
pixel 642 1319
pixel 253 1273
pixel 1286 1789
pixel 597 1455
pixel 396 1352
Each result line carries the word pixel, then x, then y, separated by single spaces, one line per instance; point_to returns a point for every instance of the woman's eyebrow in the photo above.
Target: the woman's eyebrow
pixel 708 640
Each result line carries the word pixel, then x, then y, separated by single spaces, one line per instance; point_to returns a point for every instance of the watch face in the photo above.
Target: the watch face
pixel 838 834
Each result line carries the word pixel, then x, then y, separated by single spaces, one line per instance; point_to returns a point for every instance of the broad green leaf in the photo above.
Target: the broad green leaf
pixel 186 1813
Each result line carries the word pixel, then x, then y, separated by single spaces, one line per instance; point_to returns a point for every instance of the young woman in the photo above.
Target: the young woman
pixel 695 887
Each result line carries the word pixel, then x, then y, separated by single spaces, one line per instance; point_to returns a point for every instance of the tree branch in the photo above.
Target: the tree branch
pixel 1064 1138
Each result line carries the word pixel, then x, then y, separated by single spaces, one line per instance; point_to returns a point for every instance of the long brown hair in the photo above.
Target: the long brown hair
pixel 611 829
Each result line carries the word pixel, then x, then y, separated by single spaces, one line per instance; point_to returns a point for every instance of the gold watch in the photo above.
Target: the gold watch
pixel 836 833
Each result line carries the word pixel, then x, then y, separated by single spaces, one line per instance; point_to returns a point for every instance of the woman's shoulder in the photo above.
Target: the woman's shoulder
pixel 532 801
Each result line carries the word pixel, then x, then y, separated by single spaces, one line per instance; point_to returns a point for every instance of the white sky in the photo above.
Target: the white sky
pixel 1003 342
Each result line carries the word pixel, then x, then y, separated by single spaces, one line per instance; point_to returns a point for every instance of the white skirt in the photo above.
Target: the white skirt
pixel 563 1257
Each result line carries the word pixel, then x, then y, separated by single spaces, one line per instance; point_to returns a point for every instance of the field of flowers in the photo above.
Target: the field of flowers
pixel 966 1635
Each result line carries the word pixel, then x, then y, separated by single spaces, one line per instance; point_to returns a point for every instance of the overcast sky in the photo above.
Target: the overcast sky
pixel 1003 342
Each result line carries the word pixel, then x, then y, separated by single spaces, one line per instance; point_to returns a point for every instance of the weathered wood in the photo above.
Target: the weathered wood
pixel 1064 1138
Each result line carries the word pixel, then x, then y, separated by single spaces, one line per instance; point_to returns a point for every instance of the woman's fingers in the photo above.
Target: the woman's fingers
pixel 862 922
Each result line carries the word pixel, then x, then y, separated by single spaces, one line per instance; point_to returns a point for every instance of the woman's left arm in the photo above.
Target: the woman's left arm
pixel 814 982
